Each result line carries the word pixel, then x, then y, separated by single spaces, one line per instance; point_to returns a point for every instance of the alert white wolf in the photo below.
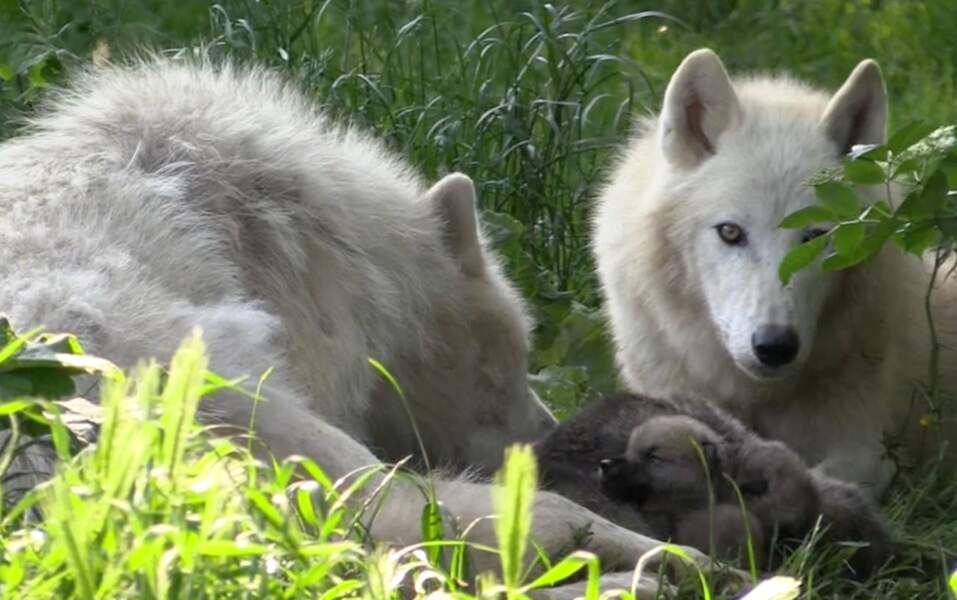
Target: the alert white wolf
pixel 688 246
pixel 151 199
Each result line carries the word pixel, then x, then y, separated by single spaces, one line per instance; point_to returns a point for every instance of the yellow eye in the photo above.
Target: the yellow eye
pixel 731 234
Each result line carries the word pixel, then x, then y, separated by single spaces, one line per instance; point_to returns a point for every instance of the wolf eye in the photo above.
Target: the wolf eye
pixel 651 454
pixel 731 234
pixel 809 234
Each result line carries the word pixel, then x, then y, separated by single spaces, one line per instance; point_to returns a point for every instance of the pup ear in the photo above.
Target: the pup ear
pixel 699 106
pixel 453 200
pixel 857 114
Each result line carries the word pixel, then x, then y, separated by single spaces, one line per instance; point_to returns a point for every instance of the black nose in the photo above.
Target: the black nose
pixel 775 345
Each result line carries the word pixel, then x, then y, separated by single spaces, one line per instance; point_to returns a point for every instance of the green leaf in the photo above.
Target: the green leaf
pixel 432 530
pixel 838 198
pixel 562 388
pixel 265 507
pixel 800 257
pixel 908 135
pixel 913 207
pixel 836 262
pixel 307 509
pixel 809 215
pixel 953 583
pixel 59 433
pixel 563 570
pixel 877 236
pixel 848 236
pixel 513 497
pixel 948 225
pixel 231 548
pixel 863 172
pixel 15 406
pixel 907 166
pixel 934 194
pixel 35 75
pixel 6 72
pixel 917 238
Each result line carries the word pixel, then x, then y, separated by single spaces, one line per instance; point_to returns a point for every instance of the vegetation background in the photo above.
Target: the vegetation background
pixel 531 99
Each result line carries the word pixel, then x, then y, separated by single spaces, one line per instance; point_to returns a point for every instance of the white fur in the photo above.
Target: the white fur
pixel 152 199
pixel 684 304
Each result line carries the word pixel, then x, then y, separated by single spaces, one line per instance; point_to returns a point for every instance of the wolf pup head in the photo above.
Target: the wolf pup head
pixel 699 198
pixel 666 467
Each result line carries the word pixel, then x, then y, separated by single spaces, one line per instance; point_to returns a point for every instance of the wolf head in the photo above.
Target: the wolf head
pixel 486 345
pixel 708 183
pixel 666 465
pixel 739 159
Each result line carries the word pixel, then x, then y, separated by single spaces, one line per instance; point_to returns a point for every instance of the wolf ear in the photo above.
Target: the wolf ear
pixel 453 200
pixel 857 113
pixel 699 106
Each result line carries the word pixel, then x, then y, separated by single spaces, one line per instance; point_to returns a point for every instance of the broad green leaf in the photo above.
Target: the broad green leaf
pixel 6 72
pixel 907 166
pixel 863 172
pixel 847 237
pixel 877 236
pixel 953 583
pixel 838 198
pixel 916 239
pixel 934 194
pixel 50 383
pixel 914 207
pixel 836 262
pixel 908 135
pixel 808 215
pixel 800 257
pixel 16 385
pixel 948 225
pixel 561 387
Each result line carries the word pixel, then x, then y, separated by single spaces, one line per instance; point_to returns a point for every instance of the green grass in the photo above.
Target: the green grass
pixel 529 99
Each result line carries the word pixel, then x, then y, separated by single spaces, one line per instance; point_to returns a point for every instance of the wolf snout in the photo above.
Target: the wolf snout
pixel 775 345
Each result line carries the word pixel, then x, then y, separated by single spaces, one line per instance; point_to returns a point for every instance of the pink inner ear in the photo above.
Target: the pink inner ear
pixel 694 113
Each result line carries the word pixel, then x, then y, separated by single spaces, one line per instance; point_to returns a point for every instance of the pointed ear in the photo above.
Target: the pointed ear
pixel 699 106
pixel 453 200
pixel 857 113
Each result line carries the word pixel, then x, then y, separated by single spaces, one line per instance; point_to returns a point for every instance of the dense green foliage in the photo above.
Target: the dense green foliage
pixel 531 100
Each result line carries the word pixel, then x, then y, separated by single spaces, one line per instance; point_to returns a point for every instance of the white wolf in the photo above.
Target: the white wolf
pixel 688 247
pixel 151 199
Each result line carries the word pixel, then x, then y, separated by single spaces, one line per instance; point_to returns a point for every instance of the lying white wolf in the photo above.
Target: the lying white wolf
pixel 688 247
pixel 149 200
